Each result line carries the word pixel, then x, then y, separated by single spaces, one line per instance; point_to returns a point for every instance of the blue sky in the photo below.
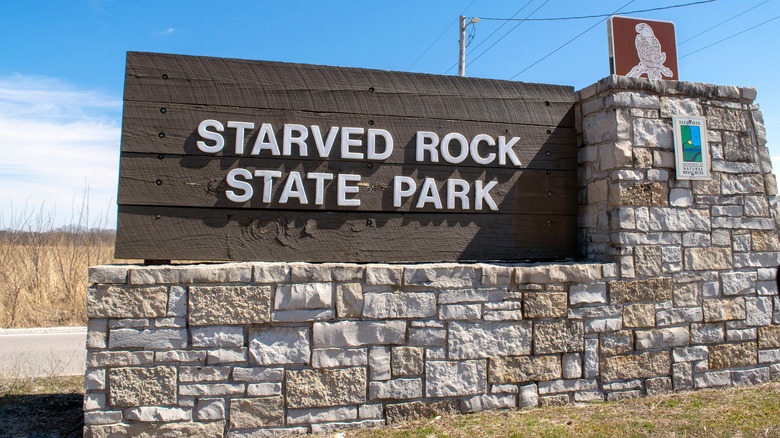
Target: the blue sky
pixel 62 65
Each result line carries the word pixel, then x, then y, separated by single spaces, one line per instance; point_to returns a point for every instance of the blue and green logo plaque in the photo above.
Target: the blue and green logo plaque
pixel 691 153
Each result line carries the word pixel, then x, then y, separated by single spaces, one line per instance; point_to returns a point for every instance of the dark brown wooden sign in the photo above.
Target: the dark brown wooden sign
pixel 642 48
pixel 226 159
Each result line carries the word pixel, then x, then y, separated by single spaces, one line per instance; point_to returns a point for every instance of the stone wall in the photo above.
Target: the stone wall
pixel 676 291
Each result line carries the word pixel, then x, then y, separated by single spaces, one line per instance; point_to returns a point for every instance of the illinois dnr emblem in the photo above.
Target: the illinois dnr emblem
pixel 642 48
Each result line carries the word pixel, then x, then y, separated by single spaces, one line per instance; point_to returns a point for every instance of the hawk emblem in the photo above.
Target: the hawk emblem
pixel 651 58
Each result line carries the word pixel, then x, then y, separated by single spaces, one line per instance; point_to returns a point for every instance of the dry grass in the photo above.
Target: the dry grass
pixel 43 270
pixel 734 412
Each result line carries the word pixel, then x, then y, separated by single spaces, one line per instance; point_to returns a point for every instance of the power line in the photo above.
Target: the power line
pixel 439 37
pixel 602 15
pixel 510 31
pixel 492 33
pixel 729 37
pixel 568 42
pixel 722 22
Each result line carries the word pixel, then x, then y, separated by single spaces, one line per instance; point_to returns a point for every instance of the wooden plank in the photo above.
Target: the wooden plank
pixel 539 147
pixel 273 85
pixel 199 181
pixel 167 233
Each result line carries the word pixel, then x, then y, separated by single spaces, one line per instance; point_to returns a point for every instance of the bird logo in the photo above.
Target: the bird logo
pixel 651 58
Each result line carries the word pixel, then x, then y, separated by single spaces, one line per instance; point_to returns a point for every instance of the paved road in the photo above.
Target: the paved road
pixel 59 351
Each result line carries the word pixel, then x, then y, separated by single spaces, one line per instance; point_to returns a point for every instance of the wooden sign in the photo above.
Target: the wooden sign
pixel 642 48
pixel 226 159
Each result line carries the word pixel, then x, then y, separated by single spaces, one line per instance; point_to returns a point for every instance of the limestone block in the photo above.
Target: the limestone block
pixel 558 273
pixel 244 374
pixel 188 374
pixel 455 378
pixel 558 337
pixel 280 345
pixel 336 357
pixel 572 366
pixel 679 316
pixel 732 355
pixel 420 409
pixel 369 412
pixel 770 184
pixel 641 194
pixel 377 275
pixel 210 409
pixel 304 296
pixel 679 220
pixel 399 305
pixel 396 389
pixel 648 364
pixel 211 389
pixel 756 206
pixel 590 360
pixel 226 355
pixel 751 377
pixel 217 336
pixel 118 358
pixel 682 376
pixel 738 146
pixel 321 415
pixel 589 293
pixel 95 379
pixel 158 414
pixel 155 339
pixel 461 312
pixel 724 119
pixel 643 158
pixel 169 274
pixel 256 412
pixel 672 106
pixel 742 334
pixel 617 342
pixel 229 305
pixel 270 273
pixel 764 241
pixel 594 312
pixel 427 337
pixel 136 386
pixel 529 396
pixel 444 275
pixel 758 311
pixel 126 302
pixel 479 295
pixel 639 315
pixel 662 338
pixel 742 184
pixel 349 300
pixel 707 259
pixel 97 334
pixel 769 337
pixel 138 323
pixel 520 369
pixel 724 309
pixel 488 339
pixel 663 159
pixel 652 133
pixel 346 334
pixel 600 127
pixel 407 361
pixel 379 362
pixel 107 274
pixel 302 315
pixel 208 429
pixel 325 272
pixel 489 401
pixel 647 291
pixel 95 401
pixel 545 304
pixel 647 259
pixel 326 387
pixel 569 385
pixel 707 333
pixel 687 295
pixel 323 428
pixel 177 301
pixel 712 379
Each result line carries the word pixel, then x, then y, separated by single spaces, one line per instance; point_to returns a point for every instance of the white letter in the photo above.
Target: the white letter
pixel 266 130
pixel 371 154
pixel 236 184
pixel 422 146
pixel 210 135
pixel 346 142
pixel 343 189
pixel 399 192
pixel 452 193
pixel 299 192
pixel 429 193
pixel 445 148
pixel 268 182
pixel 300 140
pixel 240 126
pixel 320 185
pixel 480 194
pixel 475 149
pixel 505 149
pixel 324 149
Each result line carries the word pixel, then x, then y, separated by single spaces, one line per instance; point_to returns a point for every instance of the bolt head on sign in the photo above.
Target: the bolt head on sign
pixel 642 48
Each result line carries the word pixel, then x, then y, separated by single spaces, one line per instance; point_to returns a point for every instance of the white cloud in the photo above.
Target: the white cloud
pixel 167 31
pixel 55 142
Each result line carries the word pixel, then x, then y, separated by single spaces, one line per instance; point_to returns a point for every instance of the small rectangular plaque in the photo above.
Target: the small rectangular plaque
pixel 691 152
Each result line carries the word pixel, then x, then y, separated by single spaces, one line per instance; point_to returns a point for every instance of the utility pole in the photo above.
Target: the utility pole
pixel 462 57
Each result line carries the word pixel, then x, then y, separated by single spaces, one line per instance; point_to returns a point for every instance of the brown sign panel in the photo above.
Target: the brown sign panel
pixel 642 48
pixel 226 159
